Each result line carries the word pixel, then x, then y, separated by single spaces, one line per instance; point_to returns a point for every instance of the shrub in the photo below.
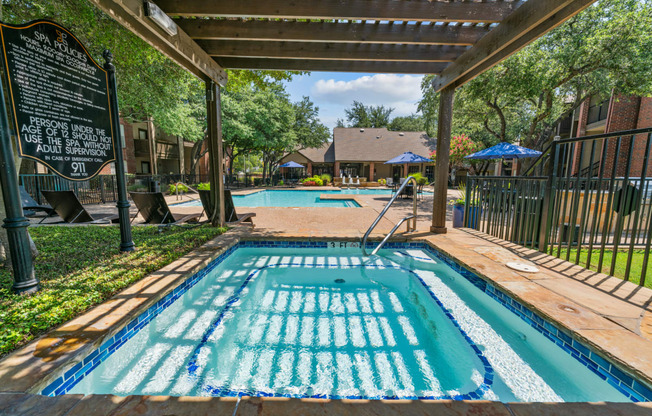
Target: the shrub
pixel 137 187
pixel 421 180
pixel 281 183
pixel 309 182
pixel 258 181
pixel 204 186
pixel 326 178
pixel 181 188
pixel 382 181
pixel 318 181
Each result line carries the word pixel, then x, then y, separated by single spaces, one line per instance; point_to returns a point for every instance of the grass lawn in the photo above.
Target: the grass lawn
pixel 621 263
pixel 80 267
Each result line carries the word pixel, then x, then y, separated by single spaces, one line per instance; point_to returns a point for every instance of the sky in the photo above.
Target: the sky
pixel 333 92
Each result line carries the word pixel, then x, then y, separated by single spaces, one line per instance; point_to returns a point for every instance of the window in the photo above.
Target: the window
pixel 145 167
pixel 413 169
pixel 430 172
pixel 598 109
pixel 142 134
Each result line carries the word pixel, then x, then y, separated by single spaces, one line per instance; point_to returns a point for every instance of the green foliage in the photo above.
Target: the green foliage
pixel 173 188
pixel 137 187
pixel 205 186
pixel 326 178
pixel 413 122
pixel 382 181
pixel 314 181
pixel 309 131
pixel 281 183
pixel 360 115
pixel 82 267
pixel 421 180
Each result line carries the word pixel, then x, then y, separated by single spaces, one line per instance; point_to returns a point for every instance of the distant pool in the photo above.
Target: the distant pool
pixel 299 198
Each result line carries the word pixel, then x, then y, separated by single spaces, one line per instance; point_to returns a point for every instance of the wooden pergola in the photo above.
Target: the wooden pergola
pixel 454 39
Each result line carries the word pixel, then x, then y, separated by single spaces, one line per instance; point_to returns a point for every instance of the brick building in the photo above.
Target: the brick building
pixel 616 113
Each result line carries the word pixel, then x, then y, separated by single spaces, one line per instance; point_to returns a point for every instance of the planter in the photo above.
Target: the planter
pixel 458 216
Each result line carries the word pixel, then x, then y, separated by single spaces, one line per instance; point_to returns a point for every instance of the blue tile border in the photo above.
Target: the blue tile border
pixel 603 368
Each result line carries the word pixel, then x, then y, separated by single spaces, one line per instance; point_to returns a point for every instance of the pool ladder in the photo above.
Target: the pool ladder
pixel 412 217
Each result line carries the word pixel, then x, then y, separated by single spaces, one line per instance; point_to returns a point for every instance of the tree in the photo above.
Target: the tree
pixel 461 147
pixel 413 122
pixel 360 115
pixel 605 48
pixel 310 132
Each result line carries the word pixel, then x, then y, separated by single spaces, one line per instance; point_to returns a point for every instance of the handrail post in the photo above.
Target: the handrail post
pixel 389 204
pixel 548 206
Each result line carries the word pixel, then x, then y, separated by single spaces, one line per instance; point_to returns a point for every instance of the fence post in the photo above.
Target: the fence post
pixel 548 206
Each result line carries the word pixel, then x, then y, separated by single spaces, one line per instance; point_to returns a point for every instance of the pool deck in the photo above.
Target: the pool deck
pixel 610 315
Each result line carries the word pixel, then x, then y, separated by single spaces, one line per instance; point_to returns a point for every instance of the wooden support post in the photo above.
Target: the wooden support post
pixel 215 169
pixel 406 169
pixel 372 167
pixel 153 151
pixel 441 165
pixel 182 155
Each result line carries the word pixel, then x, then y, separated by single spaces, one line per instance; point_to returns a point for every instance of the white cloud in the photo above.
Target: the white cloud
pixel 398 91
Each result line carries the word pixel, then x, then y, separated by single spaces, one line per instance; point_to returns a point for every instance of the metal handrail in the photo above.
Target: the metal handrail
pixel 412 217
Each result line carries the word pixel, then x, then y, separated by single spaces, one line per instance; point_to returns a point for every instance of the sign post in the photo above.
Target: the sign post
pixel 25 280
pixel 64 109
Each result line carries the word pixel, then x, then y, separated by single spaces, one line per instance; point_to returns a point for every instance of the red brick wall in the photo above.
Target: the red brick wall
pixel 644 121
pixel 581 131
pixel 623 115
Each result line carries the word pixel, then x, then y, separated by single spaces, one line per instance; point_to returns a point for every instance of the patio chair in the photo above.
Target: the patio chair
pixel 389 181
pixel 232 218
pixel 68 207
pixel 154 209
pixel 30 205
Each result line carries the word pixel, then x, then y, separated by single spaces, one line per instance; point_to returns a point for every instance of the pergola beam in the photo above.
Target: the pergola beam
pixel 265 30
pixel 180 48
pixel 332 66
pixel 344 9
pixel 331 51
pixel 526 24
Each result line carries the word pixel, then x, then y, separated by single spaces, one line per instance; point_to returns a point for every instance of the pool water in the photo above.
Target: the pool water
pixel 327 322
pixel 298 198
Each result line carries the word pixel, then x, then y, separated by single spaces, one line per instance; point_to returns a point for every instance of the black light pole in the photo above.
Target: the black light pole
pixel 126 242
pixel 25 280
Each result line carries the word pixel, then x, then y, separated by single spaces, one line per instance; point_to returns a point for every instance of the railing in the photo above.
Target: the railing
pixel 412 217
pixel 593 207
pixel 102 188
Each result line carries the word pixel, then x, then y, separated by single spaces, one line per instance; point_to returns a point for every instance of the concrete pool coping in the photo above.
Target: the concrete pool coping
pixel 606 321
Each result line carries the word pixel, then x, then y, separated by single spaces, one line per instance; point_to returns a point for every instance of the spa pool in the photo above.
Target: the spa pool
pixel 317 319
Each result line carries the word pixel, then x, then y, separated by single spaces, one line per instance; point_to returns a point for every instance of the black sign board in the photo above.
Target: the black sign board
pixel 60 100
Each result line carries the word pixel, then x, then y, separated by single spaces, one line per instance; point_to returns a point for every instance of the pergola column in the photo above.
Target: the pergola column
pixel 441 164
pixel 215 155
pixel 372 167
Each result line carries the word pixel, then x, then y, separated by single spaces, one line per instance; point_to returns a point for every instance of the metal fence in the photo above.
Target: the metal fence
pixel 593 206
pixel 102 188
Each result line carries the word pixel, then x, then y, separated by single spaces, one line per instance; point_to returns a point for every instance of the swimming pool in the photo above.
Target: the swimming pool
pixel 296 198
pixel 313 319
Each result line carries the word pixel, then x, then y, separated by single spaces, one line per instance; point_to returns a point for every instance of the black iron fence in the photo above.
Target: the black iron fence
pixel 593 206
pixel 102 188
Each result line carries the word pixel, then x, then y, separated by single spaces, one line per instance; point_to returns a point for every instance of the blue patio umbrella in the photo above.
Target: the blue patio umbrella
pixel 291 164
pixel 408 157
pixel 505 151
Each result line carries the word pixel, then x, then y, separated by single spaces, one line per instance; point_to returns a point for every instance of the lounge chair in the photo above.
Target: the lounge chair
pixel 68 207
pixel 30 205
pixel 357 181
pixel 232 218
pixel 154 209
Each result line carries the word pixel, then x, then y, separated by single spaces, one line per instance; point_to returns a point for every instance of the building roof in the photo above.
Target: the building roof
pixel 375 145
pixel 323 154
